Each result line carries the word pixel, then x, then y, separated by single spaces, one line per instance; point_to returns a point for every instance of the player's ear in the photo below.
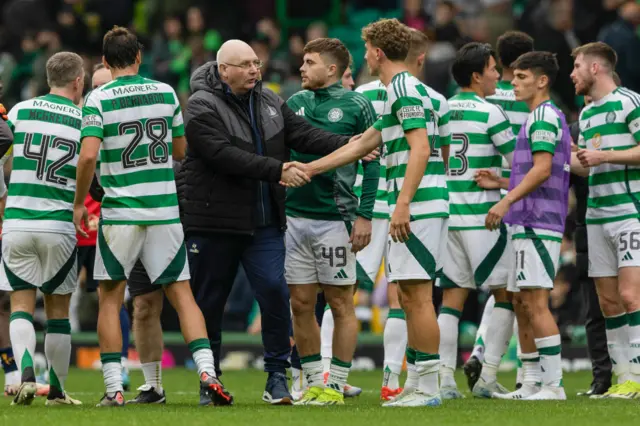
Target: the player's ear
pixel 104 62
pixel 139 57
pixel 333 70
pixel 543 81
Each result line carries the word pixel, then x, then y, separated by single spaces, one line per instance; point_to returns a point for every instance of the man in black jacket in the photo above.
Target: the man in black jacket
pixel 239 135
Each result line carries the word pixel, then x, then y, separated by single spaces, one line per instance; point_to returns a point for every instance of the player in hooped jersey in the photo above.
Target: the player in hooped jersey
pixel 39 242
pixel 481 137
pixel 395 331
pixel 133 124
pixel 509 47
pixel 418 200
pixel 609 139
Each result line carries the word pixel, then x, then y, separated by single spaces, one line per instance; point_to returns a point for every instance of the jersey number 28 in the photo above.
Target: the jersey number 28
pixel 156 130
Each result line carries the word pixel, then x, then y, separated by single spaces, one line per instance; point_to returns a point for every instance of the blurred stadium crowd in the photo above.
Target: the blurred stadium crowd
pixel 180 35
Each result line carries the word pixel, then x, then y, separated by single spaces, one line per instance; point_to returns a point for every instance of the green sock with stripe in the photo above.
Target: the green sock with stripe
pixel 634 345
pixel 427 366
pixel 531 372
pixel 112 371
pixel 23 340
pixel 549 349
pixel 203 356
pixel 57 349
pixel 617 329
pixel 338 374
pixel 312 370
pixel 412 373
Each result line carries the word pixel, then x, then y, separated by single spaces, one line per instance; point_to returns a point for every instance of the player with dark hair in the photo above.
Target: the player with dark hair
pixel 509 47
pixel 140 219
pixel 481 136
pixel 536 208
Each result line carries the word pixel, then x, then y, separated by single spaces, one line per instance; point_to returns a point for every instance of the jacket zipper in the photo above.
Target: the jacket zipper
pixel 264 153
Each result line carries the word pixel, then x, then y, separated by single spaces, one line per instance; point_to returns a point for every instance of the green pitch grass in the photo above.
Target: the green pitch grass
pixel 247 386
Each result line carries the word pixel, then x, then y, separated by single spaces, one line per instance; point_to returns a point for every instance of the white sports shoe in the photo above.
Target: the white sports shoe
pixel 415 398
pixel 25 395
pixel 484 389
pixel 524 392
pixel 548 393
pixel 67 400
pixel 447 392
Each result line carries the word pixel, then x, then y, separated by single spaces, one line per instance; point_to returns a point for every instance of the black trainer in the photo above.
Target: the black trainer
pixel 149 395
pixel 472 369
pixel 212 391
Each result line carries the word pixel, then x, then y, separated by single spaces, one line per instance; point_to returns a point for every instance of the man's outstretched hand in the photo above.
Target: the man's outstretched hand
pixel 295 175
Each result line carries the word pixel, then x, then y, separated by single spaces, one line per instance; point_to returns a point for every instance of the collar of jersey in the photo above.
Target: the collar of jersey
pixel 128 77
pixel 329 90
pixel 59 98
pixel 395 77
pixel 467 95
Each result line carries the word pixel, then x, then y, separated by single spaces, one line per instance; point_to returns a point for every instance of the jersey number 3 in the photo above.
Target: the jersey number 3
pixel 459 164
pixel 46 169
pixel 156 130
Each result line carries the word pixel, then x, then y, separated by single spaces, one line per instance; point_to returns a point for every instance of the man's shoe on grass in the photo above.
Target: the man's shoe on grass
pixel 26 393
pixel 387 394
pixel 63 399
pixel 328 397
pixel 276 392
pixel 214 391
pixel 472 369
pixel 114 399
pixel 597 388
pixel 149 395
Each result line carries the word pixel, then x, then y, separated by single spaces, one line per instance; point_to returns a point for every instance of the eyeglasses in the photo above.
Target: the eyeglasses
pixel 247 64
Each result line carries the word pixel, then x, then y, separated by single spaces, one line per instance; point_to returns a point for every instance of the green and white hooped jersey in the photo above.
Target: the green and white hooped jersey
pixel 137 119
pixel 480 136
pixel 410 107
pixel 612 123
pixel 46 145
pixel 377 94
pixel 517 112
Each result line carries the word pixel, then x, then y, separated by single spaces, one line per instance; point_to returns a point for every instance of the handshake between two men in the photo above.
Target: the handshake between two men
pixel 296 174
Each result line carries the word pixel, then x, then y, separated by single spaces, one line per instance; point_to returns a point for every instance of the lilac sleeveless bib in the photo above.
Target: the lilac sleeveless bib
pixel 546 207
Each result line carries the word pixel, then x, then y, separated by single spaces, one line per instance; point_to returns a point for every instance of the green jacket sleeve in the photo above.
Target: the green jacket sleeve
pixel 371 175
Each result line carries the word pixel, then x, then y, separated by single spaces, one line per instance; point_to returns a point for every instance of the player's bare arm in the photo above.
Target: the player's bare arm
pixel 420 151
pixel 357 148
pixel 84 174
pixel 576 165
pixel 179 147
pixel 539 173
pixel 592 157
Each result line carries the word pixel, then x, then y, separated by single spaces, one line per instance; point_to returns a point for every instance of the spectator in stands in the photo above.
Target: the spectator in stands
pixel 167 49
pixel 274 72
pixel 622 36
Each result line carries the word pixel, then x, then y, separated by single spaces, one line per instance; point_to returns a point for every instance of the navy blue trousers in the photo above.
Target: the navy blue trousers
pixel 214 261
